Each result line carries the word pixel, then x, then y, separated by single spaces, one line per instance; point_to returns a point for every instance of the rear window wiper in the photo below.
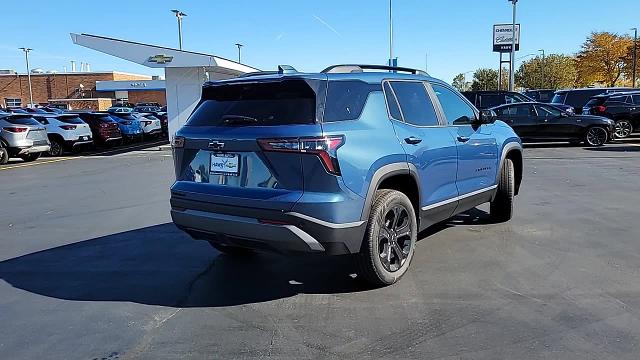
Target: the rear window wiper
pixel 238 120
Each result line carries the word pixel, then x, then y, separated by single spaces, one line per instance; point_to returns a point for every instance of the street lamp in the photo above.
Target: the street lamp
pixel 635 53
pixel 26 59
pixel 239 46
pixel 542 68
pixel 179 16
pixel 390 34
pixel 513 46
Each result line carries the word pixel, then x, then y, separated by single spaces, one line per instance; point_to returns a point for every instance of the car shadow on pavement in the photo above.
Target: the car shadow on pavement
pixel 617 148
pixel 160 265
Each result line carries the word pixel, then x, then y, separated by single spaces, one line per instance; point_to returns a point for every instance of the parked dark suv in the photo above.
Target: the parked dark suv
pixel 623 108
pixel 105 130
pixel 345 161
pixel 489 99
pixel 572 100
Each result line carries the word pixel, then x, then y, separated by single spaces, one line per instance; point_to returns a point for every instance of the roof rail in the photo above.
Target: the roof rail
pixel 350 68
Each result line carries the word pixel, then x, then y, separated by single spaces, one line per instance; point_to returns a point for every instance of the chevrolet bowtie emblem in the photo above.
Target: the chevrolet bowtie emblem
pixel 160 59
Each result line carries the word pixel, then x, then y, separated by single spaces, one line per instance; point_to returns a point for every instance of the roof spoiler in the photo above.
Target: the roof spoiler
pixel 356 68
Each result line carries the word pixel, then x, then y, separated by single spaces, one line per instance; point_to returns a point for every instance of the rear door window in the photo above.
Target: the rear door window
pixel 256 104
pixel 636 99
pixel 70 120
pixel 415 103
pixel 559 98
pixel 346 99
pixel 491 100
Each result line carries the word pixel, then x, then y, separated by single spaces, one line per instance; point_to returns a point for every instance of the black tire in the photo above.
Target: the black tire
pixel 624 128
pixel 30 157
pixel 4 156
pixel 375 259
pixel 596 136
pixel 231 250
pixel 56 148
pixel 501 208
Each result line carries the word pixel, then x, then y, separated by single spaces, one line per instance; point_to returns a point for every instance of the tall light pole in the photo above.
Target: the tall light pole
pixel 239 47
pixel 179 15
pixel 26 59
pixel 390 33
pixel 542 65
pixel 635 53
pixel 513 47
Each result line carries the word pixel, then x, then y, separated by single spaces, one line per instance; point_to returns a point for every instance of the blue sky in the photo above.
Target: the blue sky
pixel 309 35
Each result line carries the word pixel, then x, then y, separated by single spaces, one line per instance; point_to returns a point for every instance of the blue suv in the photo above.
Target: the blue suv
pixel 356 160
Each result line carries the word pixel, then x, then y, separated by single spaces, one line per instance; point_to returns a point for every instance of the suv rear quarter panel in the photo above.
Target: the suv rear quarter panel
pixel 370 144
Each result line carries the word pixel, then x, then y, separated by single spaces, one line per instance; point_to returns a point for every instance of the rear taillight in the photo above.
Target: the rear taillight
pixel 324 147
pixel 600 108
pixel 15 129
pixel 146 122
pixel 178 142
pixel 68 127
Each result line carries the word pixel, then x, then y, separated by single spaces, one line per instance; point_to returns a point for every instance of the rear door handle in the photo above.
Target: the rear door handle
pixel 463 138
pixel 413 140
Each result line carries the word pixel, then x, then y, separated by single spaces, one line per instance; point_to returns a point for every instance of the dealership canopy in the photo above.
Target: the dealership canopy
pixel 185 71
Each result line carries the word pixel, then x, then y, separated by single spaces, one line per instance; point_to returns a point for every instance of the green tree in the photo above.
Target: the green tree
pixel 602 58
pixel 485 79
pixel 460 83
pixel 555 71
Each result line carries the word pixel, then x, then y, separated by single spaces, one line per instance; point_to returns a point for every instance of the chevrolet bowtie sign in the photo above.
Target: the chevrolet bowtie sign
pixel 160 59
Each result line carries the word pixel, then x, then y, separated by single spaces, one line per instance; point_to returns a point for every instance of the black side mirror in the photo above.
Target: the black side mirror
pixel 487 117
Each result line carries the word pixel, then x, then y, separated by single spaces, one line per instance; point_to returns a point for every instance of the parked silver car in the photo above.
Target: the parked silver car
pixel 65 131
pixel 23 136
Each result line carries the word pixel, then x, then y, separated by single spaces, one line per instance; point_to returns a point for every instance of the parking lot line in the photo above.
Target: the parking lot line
pixel 107 152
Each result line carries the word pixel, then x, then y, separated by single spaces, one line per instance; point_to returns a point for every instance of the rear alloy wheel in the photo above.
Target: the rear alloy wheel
pixel 623 129
pixel 4 156
pixel 30 157
pixel 596 136
pixel 390 239
pixel 56 148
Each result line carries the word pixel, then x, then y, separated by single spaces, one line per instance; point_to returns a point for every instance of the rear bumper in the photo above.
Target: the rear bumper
pixel 265 229
pixel 25 150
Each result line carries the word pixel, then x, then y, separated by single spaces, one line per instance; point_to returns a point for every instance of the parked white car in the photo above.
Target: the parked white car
pixel 151 126
pixel 66 132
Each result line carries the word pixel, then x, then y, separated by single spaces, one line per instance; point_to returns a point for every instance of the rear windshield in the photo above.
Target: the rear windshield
pixel 22 120
pixel 256 104
pixel 491 100
pixel 124 117
pixel 558 98
pixel 596 101
pixel 71 120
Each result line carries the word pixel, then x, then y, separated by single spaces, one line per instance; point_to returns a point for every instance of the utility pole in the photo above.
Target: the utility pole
pixel 542 69
pixel 390 32
pixel 513 48
pixel 239 47
pixel 179 16
pixel 26 59
pixel 635 54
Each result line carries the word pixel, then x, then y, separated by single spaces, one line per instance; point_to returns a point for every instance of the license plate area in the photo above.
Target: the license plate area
pixel 224 164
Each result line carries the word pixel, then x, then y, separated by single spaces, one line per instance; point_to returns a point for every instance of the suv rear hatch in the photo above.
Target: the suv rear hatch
pixel 244 143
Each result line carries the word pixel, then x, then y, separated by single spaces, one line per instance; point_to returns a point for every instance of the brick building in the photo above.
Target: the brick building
pixel 71 86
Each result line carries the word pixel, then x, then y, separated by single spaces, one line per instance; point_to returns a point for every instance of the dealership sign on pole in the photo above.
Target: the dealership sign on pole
pixel 502 37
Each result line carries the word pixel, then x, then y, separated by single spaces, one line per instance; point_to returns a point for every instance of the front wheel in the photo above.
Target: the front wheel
pixel 30 157
pixel 501 208
pixel 624 128
pixel 390 239
pixel 596 136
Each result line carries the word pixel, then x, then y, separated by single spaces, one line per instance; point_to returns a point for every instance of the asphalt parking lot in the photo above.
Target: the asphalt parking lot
pixel 91 267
